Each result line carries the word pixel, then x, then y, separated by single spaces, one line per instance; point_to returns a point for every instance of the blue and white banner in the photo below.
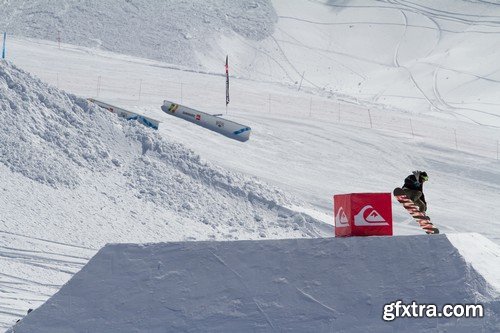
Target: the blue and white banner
pixel 217 124
pixel 146 121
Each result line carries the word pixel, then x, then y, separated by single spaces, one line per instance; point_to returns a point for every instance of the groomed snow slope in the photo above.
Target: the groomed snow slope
pixel 301 285
pixel 424 56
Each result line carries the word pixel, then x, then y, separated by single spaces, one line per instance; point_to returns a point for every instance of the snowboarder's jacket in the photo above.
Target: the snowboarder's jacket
pixel 412 183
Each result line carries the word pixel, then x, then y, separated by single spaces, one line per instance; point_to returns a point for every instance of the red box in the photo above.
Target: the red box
pixel 363 214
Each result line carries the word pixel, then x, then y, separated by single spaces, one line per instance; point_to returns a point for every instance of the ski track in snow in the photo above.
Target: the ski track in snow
pixel 439 35
pixel 339 53
pixel 327 51
pixel 309 297
pixel 477 76
pixel 54 263
pixel 455 109
pixel 398 45
pixel 433 19
pixel 242 280
pixel 269 57
pixel 449 15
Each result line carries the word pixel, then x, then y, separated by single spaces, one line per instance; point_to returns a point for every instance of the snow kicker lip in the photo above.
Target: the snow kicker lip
pixel 217 124
pixel 270 271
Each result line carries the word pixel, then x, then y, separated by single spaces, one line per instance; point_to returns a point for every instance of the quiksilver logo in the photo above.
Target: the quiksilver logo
pixel 341 219
pixel 368 216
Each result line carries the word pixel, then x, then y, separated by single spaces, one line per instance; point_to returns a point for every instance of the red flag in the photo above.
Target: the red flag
pixel 227 83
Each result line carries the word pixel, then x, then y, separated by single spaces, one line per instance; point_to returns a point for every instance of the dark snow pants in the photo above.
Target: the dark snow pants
pixel 415 196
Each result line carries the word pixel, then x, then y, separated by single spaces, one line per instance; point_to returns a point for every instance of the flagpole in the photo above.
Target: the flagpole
pixel 3 47
pixel 227 83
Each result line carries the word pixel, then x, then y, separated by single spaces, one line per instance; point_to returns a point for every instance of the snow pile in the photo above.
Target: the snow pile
pixel 171 31
pixel 47 135
pixel 302 285
pixel 57 139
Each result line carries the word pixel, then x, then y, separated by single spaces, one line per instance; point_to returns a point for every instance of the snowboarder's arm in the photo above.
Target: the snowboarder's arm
pixel 411 182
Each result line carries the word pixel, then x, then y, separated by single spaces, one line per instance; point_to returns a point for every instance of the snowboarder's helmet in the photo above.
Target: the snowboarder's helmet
pixel 424 176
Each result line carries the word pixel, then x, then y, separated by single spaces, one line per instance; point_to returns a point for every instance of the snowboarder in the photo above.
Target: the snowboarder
pixel 413 188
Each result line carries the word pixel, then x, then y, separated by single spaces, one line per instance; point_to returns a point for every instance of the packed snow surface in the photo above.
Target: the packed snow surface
pixel 302 285
pixel 341 96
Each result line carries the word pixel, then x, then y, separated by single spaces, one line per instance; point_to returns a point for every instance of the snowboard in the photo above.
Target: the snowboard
pixel 423 220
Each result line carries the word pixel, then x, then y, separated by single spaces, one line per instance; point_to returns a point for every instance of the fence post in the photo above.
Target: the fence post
pixel 370 116
pixel 181 90
pixel 140 88
pixel 3 47
pixel 456 141
pixel 98 85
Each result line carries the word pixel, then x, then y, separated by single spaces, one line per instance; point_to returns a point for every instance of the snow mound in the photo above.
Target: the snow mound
pixel 302 285
pixel 171 31
pixel 65 142
pixel 46 134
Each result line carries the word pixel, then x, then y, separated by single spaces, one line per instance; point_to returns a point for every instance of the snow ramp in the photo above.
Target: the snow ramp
pixel 295 285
